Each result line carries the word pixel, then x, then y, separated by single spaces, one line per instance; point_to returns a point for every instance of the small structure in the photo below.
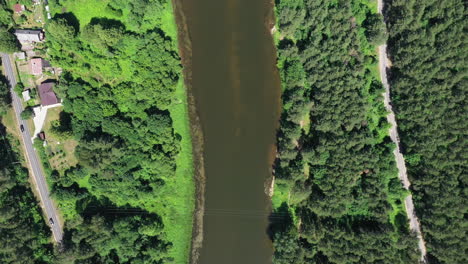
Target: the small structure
pixel 46 65
pixel 20 55
pixel 47 95
pixel 29 35
pixel 41 135
pixel 26 95
pixel 18 8
pixel 36 66
pixel 36 2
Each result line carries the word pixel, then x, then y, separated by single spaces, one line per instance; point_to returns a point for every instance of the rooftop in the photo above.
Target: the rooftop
pixel 46 93
pixel 18 8
pixel 29 35
pixel 36 66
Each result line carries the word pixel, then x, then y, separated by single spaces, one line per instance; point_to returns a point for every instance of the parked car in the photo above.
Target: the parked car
pixel 22 128
pixel 51 221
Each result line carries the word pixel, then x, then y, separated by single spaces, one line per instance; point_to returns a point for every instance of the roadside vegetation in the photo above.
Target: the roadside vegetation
pixel 428 49
pixel 127 197
pixel 336 186
pixel 24 236
pixel 8 42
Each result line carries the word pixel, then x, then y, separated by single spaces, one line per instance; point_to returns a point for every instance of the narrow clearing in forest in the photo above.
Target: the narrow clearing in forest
pixel 400 161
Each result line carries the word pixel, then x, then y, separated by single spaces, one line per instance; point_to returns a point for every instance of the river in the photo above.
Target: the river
pixel 237 93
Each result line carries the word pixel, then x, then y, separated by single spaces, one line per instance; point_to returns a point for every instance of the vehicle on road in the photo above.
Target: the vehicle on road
pixel 51 221
pixel 22 128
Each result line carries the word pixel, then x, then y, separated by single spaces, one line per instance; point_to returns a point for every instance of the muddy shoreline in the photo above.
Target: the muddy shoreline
pixel 185 51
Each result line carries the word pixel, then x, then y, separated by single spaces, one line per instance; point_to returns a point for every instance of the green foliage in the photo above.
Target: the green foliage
pixel 19 88
pixel 6 18
pixel 23 232
pixel 4 96
pixel 8 43
pixel 340 173
pixel 27 113
pixel 428 50
pixel 61 129
pixel 119 88
pixel 376 32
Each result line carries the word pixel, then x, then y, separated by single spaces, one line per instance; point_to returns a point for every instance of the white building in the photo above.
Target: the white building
pixel 26 96
pixel 27 35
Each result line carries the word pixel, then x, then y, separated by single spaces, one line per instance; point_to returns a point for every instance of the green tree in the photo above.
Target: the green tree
pixel 8 42
pixel 4 96
pixel 19 88
pixel 376 32
pixel 27 113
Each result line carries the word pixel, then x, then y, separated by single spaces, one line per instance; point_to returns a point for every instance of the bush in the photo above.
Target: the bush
pixel 27 113
pixel 19 88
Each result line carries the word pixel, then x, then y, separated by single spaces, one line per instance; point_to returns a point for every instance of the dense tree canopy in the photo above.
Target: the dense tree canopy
pixel 335 157
pixel 428 50
pixel 8 43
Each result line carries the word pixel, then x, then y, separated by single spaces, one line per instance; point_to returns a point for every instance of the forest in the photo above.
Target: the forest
pixel 24 235
pixel 428 49
pixel 336 186
pixel 122 91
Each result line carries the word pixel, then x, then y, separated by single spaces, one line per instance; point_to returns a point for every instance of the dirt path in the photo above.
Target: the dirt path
pixel 400 160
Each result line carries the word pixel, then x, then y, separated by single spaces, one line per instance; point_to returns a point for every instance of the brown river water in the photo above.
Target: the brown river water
pixel 237 95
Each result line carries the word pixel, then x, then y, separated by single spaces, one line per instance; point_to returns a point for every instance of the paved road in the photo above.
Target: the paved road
pixel 33 159
pixel 400 160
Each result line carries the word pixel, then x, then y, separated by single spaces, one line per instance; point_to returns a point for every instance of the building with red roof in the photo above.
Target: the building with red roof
pixel 36 66
pixel 18 8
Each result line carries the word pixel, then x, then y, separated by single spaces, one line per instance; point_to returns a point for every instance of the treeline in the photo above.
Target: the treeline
pixel 120 74
pixel 24 236
pixel 336 178
pixel 428 49
pixel 8 42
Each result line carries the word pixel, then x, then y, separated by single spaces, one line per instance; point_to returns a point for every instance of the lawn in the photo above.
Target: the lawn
pixel 181 201
pixel 61 151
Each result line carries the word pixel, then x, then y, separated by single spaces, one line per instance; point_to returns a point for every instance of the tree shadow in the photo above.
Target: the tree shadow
pixel 71 20
pixel 107 23
pixel 279 221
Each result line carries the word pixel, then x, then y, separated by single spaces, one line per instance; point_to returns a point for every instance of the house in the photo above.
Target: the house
pixel 29 35
pixel 26 95
pixel 36 2
pixel 46 93
pixel 36 66
pixel 18 8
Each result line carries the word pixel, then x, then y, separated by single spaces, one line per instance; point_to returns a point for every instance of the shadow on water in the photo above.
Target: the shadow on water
pixel 280 221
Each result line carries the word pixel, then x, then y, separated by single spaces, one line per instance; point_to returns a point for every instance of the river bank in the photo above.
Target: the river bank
pixel 185 52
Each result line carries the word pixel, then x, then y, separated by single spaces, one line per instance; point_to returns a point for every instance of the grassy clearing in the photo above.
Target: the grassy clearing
pixel 280 195
pixel 168 24
pixel 9 121
pixel 181 202
pixel 85 10
pixel 61 151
